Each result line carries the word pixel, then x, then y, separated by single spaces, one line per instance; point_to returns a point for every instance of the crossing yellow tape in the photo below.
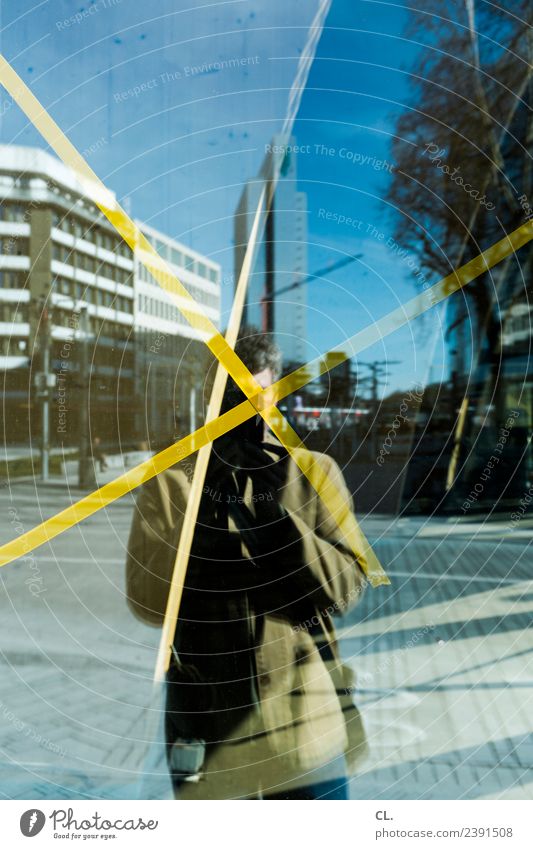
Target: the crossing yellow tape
pixel 407 312
pixel 193 312
pixel 386 325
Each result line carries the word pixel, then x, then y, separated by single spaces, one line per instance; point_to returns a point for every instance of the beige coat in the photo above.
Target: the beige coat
pixel 298 724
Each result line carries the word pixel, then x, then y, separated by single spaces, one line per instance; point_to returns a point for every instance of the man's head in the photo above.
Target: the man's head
pixel 260 355
pixel 262 358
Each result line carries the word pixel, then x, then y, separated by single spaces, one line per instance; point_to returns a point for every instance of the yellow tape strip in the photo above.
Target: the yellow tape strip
pixel 407 312
pixel 124 484
pixel 181 561
pixel 159 269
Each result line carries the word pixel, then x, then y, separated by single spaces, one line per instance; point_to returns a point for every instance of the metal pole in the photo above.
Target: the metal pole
pixel 45 445
pixel 192 407
pixel 84 477
pixel 153 424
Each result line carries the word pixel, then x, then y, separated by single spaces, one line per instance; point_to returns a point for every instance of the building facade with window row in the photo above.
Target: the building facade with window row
pixel 72 294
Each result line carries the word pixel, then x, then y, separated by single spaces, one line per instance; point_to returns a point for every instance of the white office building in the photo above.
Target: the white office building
pixel 171 355
pixel 72 292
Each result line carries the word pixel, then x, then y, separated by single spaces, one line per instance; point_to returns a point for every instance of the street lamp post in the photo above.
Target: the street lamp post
pixel 85 474
pixel 45 380
pixel 377 375
pixel 45 419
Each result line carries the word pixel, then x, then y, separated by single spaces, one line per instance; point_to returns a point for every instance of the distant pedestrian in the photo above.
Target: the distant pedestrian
pixel 98 454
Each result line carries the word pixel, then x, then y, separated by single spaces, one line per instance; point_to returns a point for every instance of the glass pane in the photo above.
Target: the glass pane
pixel 356 607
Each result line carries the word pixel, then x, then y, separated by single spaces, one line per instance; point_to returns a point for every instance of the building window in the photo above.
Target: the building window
pixel 64 286
pixel 62 254
pixel 14 313
pixel 12 280
pixel 124 276
pixel 176 257
pixel 88 232
pixel 161 248
pixel 123 249
pixel 14 246
pixel 108 242
pixel 86 262
pixel 106 271
pixel 12 212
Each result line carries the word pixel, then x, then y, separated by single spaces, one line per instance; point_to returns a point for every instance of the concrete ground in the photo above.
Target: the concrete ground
pixel 442 656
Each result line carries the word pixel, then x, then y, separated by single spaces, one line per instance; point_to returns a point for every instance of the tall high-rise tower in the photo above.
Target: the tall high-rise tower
pixel 274 301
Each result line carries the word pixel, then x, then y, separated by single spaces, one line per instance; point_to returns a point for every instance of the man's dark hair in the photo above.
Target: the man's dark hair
pixel 258 351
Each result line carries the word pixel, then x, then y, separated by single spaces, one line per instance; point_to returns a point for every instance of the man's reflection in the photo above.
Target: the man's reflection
pixel 256 699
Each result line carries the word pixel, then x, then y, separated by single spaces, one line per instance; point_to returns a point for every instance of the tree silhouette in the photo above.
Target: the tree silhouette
pixel 463 173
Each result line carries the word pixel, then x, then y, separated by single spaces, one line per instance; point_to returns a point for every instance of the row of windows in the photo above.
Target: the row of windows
pixel 206 298
pixel 92 233
pixel 14 313
pixel 181 259
pixel 13 279
pixel 160 309
pixel 99 297
pixel 110 331
pixel 104 358
pixel 77 259
pixel 168 310
pixel 18 182
pixel 14 246
pixel 72 288
pixel 10 346
pixel 517 323
pixel 75 226
pixel 13 212
pixel 106 331
pixel 102 298
pixel 168 345
pixel 102 238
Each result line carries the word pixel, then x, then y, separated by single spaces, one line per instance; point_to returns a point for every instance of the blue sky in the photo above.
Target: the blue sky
pixel 346 120
pixel 176 141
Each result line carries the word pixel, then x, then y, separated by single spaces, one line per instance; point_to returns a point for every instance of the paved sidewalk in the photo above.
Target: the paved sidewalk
pixel 443 659
pixel 445 672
